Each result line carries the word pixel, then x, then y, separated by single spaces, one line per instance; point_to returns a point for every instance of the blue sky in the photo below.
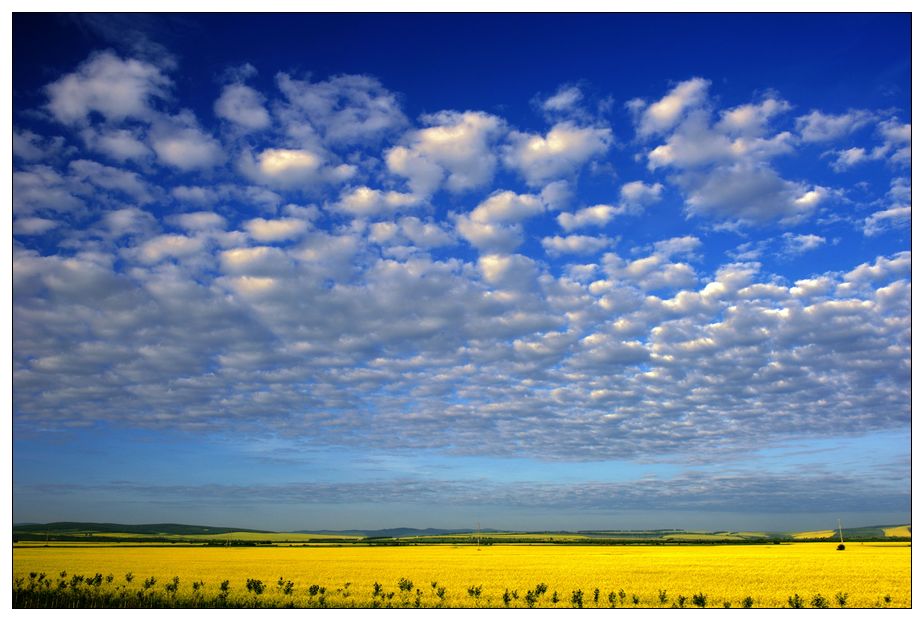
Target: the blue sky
pixel 527 271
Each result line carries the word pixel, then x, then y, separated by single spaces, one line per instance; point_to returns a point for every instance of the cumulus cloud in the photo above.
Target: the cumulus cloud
pixel 343 110
pixel 635 195
pixel 723 167
pixel 895 147
pixel 656 271
pixel 200 221
pixel 663 114
pixel 129 221
pixel 696 144
pixel 280 229
pixel 179 142
pixel 106 84
pixel 495 223
pixel 121 145
pixel 896 215
pixel 109 178
pixel 574 244
pixel 560 153
pixel 363 201
pixel 243 106
pixel 800 244
pixel 40 188
pixel 749 194
pixel 33 225
pixel 595 215
pixel 820 127
pixel 752 119
pixel 168 247
pixel 455 149
pixel 32 147
pixel 291 168
pixel 565 99
pixel 511 271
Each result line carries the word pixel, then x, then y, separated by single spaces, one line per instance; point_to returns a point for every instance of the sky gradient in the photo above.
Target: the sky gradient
pixel 527 271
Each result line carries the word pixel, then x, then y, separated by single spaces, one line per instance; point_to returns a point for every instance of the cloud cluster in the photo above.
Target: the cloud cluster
pixel 317 265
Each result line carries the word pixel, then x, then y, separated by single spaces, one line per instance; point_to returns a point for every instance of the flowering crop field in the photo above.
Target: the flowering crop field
pixel 768 576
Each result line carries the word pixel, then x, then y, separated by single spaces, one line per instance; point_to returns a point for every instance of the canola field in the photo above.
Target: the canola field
pixel 496 576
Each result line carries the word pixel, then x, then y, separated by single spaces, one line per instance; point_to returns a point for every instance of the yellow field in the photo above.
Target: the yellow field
pixel 897 531
pixel 814 534
pixel 769 574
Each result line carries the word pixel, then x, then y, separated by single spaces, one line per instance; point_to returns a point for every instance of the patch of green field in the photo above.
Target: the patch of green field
pixel 701 537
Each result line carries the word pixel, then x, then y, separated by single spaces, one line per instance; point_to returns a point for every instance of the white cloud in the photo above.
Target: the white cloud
pixel 495 223
pixel 800 244
pixel 896 216
pixel 104 83
pixel 897 136
pixel 195 194
pixel 41 188
pixel 896 266
pixel 110 178
pixel 500 270
pixel 507 207
pixel 846 158
pixel 425 234
pixel 696 144
pixel 168 247
pixel 119 144
pixel 280 229
pixel 564 100
pixel 456 147
pixel 258 261
pixel 751 119
pixel 343 110
pixel 33 148
pixel 655 271
pixel 820 127
pixel 363 201
pixel 180 143
pixel 489 236
pixel 636 195
pixel 243 106
pixel 560 153
pixel 285 168
pixel 596 215
pixel 684 246
pixel 749 194
pixel 200 221
pixel 33 225
pixel 663 114
pixel 129 221
pixel 896 147
pixel 574 244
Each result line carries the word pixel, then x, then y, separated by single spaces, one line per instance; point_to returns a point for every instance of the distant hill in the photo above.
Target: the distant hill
pixel 176 533
pixel 82 528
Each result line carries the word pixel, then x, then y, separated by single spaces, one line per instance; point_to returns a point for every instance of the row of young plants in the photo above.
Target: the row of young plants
pixel 79 591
